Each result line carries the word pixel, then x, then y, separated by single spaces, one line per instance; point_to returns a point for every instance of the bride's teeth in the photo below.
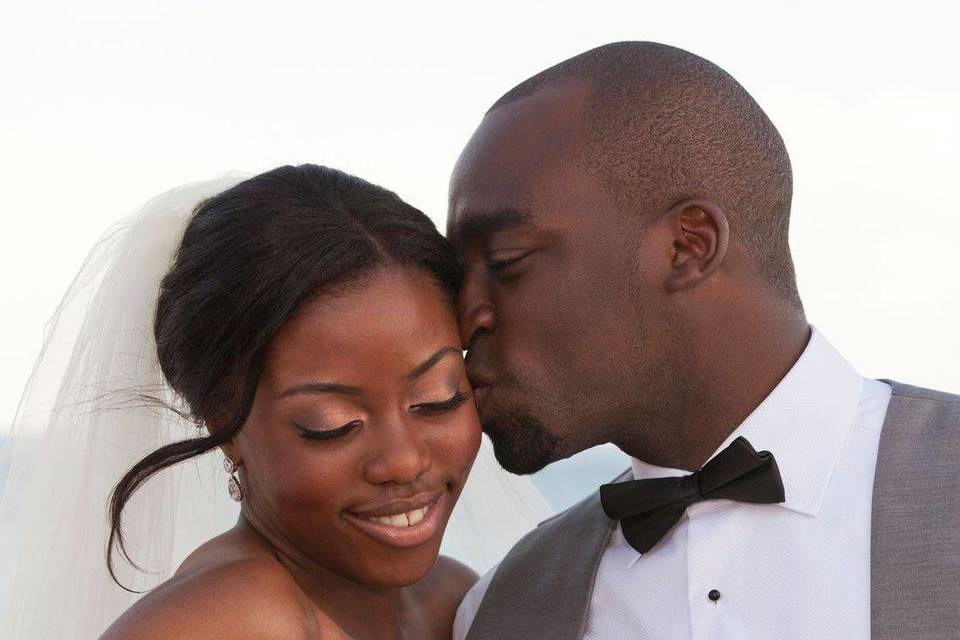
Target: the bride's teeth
pixel 415 516
pixel 407 519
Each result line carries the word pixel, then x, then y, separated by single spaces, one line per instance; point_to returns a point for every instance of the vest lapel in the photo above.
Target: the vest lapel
pixel 915 533
pixel 543 588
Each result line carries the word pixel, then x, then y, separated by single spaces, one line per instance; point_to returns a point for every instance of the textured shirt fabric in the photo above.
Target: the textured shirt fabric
pixel 800 569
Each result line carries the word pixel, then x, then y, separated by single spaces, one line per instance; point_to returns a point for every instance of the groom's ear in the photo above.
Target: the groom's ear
pixel 700 234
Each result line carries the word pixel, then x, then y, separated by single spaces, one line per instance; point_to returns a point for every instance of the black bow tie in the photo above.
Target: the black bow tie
pixel 648 509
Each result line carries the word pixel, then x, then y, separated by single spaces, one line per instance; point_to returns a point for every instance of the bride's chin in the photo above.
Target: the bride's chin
pixel 398 568
pixel 402 556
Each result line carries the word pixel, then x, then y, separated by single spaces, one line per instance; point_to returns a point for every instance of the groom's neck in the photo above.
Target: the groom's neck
pixel 732 360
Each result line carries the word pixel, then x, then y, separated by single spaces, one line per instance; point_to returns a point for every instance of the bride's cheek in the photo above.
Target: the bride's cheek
pixel 307 489
pixel 462 443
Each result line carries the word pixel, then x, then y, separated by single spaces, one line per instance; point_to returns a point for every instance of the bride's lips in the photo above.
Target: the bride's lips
pixel 412 522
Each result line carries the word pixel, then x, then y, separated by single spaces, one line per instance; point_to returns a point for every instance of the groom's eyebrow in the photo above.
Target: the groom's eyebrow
pixel 477 225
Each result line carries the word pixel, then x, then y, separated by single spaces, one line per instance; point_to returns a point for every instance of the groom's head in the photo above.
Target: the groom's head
pixel 610 210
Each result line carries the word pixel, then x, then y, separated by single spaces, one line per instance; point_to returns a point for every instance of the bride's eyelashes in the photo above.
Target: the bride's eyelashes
pixel 327 434
pixel 422 408
pixel 433 408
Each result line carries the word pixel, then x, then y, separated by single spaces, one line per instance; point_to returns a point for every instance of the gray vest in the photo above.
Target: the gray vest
pixel 543 587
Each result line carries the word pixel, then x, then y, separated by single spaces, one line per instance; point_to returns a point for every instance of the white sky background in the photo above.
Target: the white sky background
pixel 105 104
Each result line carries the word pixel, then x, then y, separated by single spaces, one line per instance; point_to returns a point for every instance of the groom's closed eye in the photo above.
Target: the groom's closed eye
pixel 508 263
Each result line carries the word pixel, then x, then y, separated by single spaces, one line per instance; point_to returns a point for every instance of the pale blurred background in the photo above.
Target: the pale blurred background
pixel 105 104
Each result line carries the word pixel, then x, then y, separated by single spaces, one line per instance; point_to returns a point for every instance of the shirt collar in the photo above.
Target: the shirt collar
pixel 803 423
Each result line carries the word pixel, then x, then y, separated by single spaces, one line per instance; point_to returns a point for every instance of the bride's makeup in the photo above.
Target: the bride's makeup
pixel 360 442
pixel 327 434
pixel 450 404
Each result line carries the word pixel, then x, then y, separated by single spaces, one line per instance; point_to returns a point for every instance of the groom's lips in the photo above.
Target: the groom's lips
pixel 477 365
pixel 479 395
pixel 481 382
pixel 428 508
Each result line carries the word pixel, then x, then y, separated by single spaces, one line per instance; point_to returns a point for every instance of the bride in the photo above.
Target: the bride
pixel 302 323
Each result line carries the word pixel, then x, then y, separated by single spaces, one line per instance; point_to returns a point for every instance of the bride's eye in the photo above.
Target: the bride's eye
pixel 432 408
pixel 327 434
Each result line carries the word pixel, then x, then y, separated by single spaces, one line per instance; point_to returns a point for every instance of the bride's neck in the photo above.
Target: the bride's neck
pixel 359 610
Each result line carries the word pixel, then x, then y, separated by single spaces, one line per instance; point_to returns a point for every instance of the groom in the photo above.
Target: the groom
pixel 623 217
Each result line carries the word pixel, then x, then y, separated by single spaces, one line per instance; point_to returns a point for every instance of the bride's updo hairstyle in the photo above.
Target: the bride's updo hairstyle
pixel 249 259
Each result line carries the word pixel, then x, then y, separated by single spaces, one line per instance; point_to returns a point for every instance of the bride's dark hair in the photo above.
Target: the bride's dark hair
pixel 249 258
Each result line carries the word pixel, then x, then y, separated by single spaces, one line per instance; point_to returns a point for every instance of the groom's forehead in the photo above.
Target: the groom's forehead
pixel 467 226
pixel 517 166
pixel 488 196
pixel 515 143
pixel 524 134
pixel 556 202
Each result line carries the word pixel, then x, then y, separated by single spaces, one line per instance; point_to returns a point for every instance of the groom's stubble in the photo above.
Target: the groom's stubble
pixel 527 435
pixel 522 444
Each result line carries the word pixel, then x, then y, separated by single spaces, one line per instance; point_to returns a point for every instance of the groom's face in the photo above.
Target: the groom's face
pixel 551 308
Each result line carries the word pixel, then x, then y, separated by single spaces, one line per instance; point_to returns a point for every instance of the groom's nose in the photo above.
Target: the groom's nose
pixel 477 313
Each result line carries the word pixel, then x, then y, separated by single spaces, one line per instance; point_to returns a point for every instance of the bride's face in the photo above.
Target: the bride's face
pixel 362 432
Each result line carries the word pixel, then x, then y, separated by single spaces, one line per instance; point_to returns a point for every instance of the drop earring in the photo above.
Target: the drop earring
pixel 233 485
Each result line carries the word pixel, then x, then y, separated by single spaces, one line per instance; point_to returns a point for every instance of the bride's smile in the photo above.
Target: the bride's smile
pixel 402 523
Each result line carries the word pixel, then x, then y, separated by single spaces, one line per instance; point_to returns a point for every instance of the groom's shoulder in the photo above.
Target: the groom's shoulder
pixel 524 564
pixel 911 392
pixel 589 503
pixel 569 519
pixel 920 412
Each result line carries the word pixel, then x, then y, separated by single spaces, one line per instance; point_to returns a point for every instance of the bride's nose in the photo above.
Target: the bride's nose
pixel 401 455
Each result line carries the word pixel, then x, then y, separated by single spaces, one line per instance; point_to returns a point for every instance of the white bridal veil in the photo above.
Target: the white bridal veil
pixel 85 418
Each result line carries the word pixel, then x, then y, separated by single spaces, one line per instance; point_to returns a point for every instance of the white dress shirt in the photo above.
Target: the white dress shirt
pixel 796 570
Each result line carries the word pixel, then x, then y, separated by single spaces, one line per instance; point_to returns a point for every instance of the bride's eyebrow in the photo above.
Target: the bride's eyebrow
pixel 343 389
pixel 321 387
pixel 427 364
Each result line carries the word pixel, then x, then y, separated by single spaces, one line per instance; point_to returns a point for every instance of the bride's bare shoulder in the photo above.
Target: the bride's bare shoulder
pixel 439 594
pixel 221 592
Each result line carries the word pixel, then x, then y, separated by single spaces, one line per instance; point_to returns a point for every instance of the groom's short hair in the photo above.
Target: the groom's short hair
pixel 662 124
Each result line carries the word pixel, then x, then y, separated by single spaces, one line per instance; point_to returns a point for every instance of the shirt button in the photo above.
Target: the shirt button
pixel 714 595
